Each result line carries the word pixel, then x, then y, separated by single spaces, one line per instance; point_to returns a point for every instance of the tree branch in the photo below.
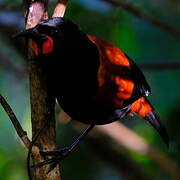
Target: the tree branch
pixel 60 8
pixel 42 103
pixel 142 15
pixel 37 11
pixel 174 65
pixel 21 133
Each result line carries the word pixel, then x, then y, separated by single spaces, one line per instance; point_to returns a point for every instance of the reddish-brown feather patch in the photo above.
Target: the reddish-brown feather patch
pixel 116 56
pixel 112 53
pixel 114 76
pixel 125 88
pixel 47 46
pixel 141 107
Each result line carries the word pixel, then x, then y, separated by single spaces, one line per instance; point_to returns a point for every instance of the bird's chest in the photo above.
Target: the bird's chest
pixel 73 74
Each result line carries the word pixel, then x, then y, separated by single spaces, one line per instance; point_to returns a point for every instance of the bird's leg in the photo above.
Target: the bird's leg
pixel 59 155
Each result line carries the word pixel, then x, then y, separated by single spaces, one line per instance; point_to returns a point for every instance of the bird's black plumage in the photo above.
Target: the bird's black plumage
pixel 72 69
pixel 93 81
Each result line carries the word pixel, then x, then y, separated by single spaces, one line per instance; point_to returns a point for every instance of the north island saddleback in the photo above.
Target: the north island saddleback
pixel 94 82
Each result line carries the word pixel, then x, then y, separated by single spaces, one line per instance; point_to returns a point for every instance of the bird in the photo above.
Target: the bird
pixel 93 81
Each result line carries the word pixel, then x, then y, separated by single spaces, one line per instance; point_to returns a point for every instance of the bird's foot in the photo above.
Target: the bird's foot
pixel 57 157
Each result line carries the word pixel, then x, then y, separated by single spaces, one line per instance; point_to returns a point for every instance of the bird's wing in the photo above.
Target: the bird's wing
pixel 121 80
pixel 141 84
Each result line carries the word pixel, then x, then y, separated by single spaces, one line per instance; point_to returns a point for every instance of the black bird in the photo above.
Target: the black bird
pixel 94 82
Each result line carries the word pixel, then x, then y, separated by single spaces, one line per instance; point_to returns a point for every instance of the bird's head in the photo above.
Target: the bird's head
pixel 51 34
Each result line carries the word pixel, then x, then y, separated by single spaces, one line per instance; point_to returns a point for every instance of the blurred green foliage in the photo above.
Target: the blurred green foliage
pixel 140 40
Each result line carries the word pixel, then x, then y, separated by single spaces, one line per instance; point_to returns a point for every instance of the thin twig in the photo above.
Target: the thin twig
pixel 60 8
pixel 21 133
pixel 37 11
pixel 174 65
pixel 140 14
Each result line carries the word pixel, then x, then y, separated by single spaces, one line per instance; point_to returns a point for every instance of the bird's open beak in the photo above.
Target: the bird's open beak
pixel 31 34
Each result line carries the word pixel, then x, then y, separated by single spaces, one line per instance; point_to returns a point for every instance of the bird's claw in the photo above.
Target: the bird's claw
pixel 58 156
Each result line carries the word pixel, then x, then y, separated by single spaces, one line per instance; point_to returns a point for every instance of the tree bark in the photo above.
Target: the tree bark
pixel 42 103
pixel 42 112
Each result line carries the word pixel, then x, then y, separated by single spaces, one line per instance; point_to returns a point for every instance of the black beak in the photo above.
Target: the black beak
pixel 31 34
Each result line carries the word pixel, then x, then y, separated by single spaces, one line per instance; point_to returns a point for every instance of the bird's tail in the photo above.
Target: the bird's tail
pixel 144 109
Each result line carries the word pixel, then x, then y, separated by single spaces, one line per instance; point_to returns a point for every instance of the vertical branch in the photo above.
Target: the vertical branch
pixel 42 103
pixel 42 112
pixel 36 12
pixel 60 8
